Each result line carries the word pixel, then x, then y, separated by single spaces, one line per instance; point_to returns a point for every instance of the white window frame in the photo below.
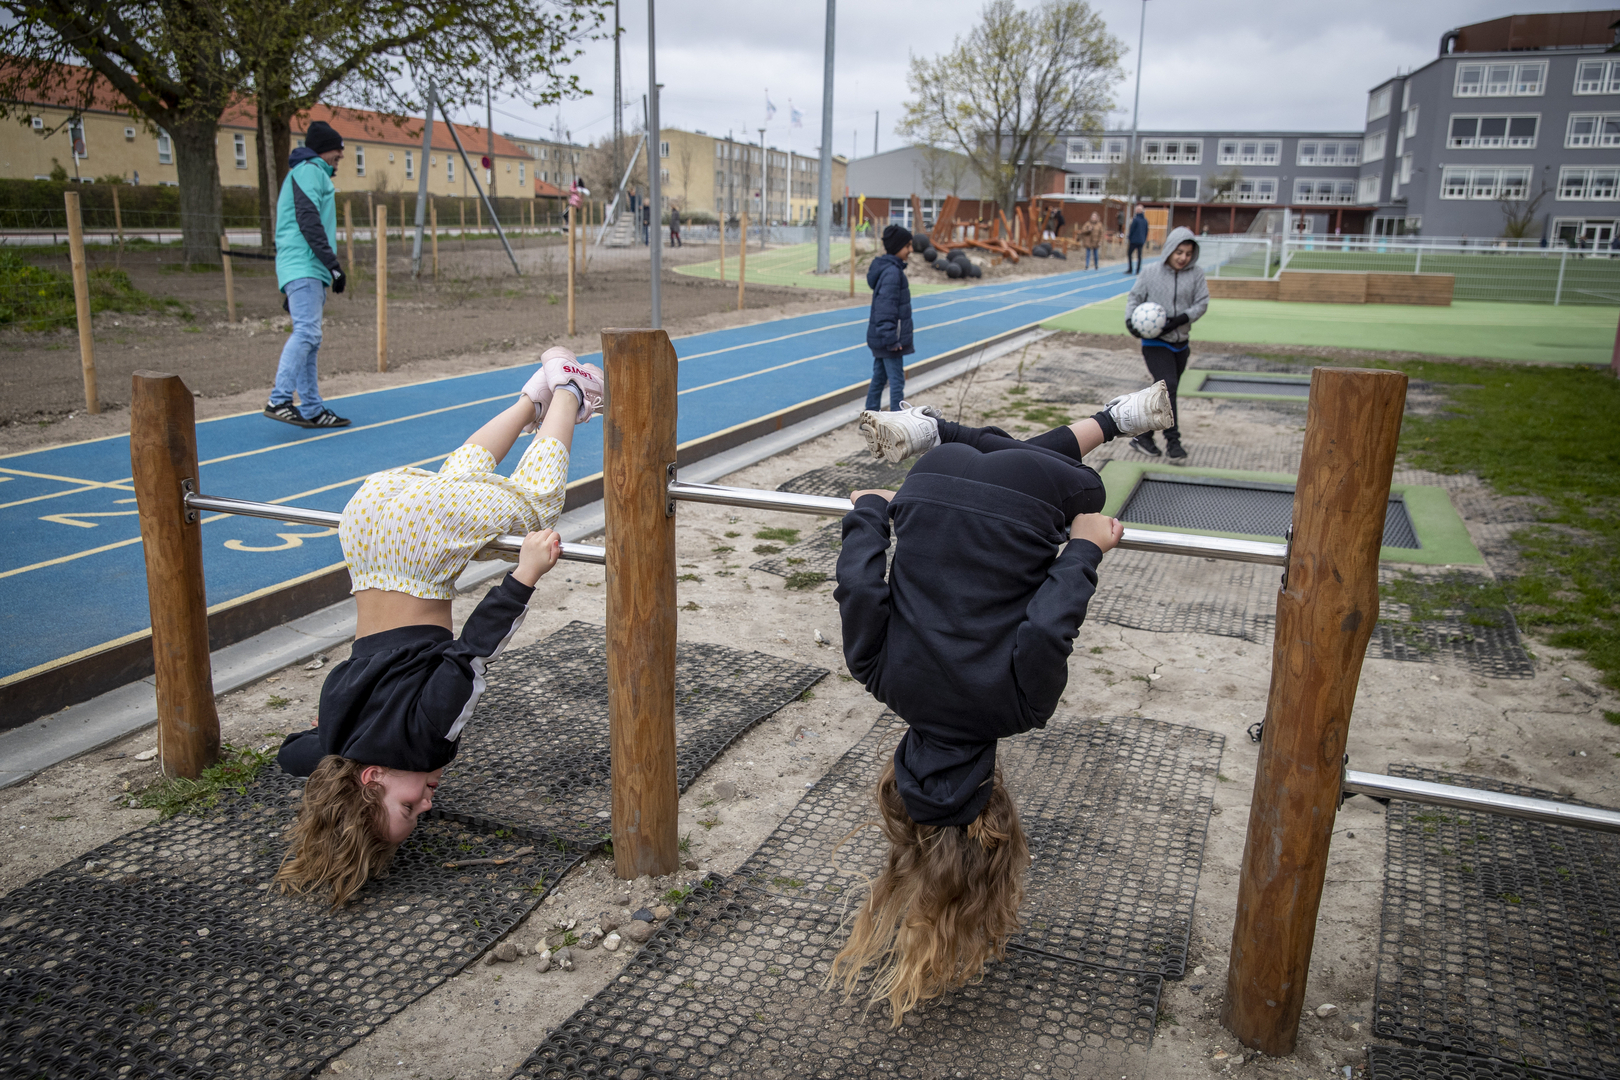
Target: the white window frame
pixel 1501 78
pixel 37 122
pixel 1406 168
pixel 239 145
pixel 1409 126
pixel 521 178
pixel 1260 189
pixel 359 161
pixel 410 165
pixel 1367 189
pixel 1601 136
pixel 663 148
pixel 1484 183
pixel 449 169
pixel 1376 141
pixel 1152 156
pixel 1597 184
pixel 1378 102
pixel 1607 81
pixel 1082 184
pixel 165 148
pixel 1176 183
pixel 1507 141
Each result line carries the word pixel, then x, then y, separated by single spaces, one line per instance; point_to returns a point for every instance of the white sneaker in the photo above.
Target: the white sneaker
pixel 1144 411
pixel 562 368
pixel 895 436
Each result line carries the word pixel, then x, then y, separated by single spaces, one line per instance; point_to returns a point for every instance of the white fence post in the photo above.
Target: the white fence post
pixel 1418 266
pixel 1558 292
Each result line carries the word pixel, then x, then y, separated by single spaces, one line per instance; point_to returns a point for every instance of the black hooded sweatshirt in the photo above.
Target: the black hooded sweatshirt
pixel 402 697
pixel 969 638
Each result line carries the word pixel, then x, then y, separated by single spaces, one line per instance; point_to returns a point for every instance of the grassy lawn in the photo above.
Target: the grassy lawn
pixel 795 266
pixel 1536 333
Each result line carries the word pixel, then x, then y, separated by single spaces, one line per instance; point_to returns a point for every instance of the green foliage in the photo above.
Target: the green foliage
pixel 786 536
pixel 237 767
pixel 38 204
pixel 767 549
pixel 804 579
pixel 35 298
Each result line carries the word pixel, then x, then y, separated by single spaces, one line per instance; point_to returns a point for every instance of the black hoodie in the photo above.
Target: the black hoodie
pixel 968 640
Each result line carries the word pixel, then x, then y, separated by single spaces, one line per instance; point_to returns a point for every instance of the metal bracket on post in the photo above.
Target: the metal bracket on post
pixel 669 500
pixel 188 487
pixel 1344 780
pixel 1288 553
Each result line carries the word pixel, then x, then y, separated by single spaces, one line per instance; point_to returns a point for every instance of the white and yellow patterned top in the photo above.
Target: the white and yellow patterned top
pixel 413 531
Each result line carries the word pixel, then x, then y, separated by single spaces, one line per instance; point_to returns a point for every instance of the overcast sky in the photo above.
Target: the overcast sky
pixel 1243 64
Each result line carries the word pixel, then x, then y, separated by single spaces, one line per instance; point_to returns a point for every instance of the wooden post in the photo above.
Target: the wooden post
pixel 1614 361
pixel 1325 615
pixel 81 302
pixel 230 285
pixel 433 215
pixel 742 261
pixel 118 222
pixel 348 236
pixel 478 213
pixel 573 213
pixel 851 255
pixel 722 247
pixel 402 218
pixel 382 286
pixel 163 462
pixel 462 205
pixel 638 447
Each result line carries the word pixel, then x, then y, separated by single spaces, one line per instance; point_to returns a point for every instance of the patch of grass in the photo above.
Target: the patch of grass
pixel 804 579
pixel 709 823
pixel 276 701
pixel 767 549
pixel 1096 650
pixel 1223 778
pixel 675 896
pixel 37 298
pixel 685 844
pixel 687 577
pixel 1613 718
pixel 724 550
pixel 786 536
pixel 237 767
pixel 787 882
pixel 733 534
pixel 808 695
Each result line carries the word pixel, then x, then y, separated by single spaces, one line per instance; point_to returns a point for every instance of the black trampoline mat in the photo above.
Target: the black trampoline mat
pixel 175 955
pixel 1501 937
pixel 1405 1063
pixel 732 987
pixel 1229 383
pixel 535 755
pixel 1230 506
pixel 1116 810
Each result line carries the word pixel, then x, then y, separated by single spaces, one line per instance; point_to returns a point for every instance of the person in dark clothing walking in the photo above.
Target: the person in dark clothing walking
pixel 967 638
pixel 675 227
pixel 888 329
pixel 1135 241
pixel 646 222
pixel 1175 283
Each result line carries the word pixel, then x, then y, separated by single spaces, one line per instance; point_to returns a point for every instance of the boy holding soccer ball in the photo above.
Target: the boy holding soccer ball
pixel 1175 286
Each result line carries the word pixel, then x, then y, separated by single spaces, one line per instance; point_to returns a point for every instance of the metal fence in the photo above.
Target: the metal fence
pixel 1236 256
pixel 1495 271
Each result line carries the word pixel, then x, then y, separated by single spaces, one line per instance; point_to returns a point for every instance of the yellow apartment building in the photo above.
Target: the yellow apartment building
pixel 723 176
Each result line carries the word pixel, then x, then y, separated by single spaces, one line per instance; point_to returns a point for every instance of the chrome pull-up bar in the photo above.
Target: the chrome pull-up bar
pixel 1546 811
pixel 1165 543
pixel 302 515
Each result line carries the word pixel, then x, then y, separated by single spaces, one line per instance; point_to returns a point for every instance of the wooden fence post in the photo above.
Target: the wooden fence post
pixel 573 212
pixel 381 236
pixel 722 247
pixel 118 223
pixel 163 463
pixel 1325 615
pixel 81 302
pixel 348 233
pixel 433 214
pixel 462 206
pixel 638 449
pixel 230 284
pixel 742 261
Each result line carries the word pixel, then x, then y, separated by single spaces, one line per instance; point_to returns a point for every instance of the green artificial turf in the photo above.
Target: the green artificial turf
pixel 1537 333
pixel 794 266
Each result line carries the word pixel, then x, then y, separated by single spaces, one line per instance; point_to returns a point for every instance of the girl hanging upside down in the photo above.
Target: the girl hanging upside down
pixel 997 544
pixel 390 715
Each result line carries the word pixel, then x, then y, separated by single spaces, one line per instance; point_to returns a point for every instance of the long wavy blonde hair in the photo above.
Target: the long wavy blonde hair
pixel 336 845
pixel 945 903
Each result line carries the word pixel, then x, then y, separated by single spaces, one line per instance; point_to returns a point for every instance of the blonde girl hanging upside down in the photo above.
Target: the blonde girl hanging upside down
pixel 967 638
pixel 392 714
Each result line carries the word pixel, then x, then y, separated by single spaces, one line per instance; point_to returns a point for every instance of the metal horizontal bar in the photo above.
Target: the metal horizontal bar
pixel 1547 811
pixel 1208 547
pixel 215 504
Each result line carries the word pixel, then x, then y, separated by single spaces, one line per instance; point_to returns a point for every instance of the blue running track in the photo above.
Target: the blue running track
pixel 72 575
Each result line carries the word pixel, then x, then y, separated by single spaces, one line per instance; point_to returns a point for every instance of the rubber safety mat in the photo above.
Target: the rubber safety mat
pixel 818 552
pixel 1501 937
pixel 535 755
pixel 732 987
pixel 1222 506
pixel 1404 1063
pixel 168 952
pixel 1116 810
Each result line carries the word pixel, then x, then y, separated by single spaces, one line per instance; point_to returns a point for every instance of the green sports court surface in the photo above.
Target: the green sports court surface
pixel 795 266
pixel 1536 333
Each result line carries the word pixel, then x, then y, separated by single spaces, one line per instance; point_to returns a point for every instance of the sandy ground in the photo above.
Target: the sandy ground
pixel 1547 731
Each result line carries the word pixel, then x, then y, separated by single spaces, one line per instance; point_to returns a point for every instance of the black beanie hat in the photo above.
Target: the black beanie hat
pixel 895 237
pixel 320 138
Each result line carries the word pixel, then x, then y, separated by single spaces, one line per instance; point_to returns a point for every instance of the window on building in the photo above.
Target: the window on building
pixel 1173 152
pixel 663 174
pixel 1588 184
pixel 1501 80
pixel 1492 132
pixel 1406 168
pixel 1377 145
pixel 521 178
pixel 410 165
pixel 1489 183
pixel 165 148
pixel 1184 188
pixel 239 144
pixel 1593 129
pixel 38 123
pixel 1597 77
pixel 1256 190
pixel 1367 189
pixel 1083 185
pixel 1378 103
pixel 359 161
pixel 449 168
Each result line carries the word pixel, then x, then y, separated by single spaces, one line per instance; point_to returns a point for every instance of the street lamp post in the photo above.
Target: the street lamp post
pixel 824 180
pixel 655 163
pixel 764 191
pixel 1136 108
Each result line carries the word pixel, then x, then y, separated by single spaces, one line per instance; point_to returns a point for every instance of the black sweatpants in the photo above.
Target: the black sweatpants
pixel 1046 467
pixel 1169 365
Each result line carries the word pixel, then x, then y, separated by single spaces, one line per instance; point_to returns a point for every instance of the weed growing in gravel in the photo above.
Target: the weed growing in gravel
pixel 804 579
pixel 237 767
pixel 786 536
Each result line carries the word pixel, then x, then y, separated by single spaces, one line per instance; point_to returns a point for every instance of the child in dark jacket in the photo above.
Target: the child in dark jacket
pixel 392 714
pixel 967 639
pixel 888 330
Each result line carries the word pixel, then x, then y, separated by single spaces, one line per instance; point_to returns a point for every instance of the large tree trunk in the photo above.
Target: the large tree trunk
pixel 195 146
pixel 277 126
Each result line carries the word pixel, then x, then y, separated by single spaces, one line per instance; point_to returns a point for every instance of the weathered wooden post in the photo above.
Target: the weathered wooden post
pixel 638 452
pixel 573 212
pixel 230 284
pixel 163 463
pixel 1325 615
pixel 742 260
pixel 433 213
pixel 379 235
pixel 81 301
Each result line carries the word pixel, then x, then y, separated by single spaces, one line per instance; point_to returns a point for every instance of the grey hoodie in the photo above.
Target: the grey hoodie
pixel 1177 291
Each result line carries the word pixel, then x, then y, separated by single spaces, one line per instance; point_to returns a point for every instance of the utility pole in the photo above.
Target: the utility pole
pixel 618 100
pixel 655 164
pixel 489 129
pixel 764 189
pixel 422 185
pixel 874 131
pixel 824 179
pixel 1136 107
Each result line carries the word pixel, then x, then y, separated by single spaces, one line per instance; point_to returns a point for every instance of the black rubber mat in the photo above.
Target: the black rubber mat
pixel 1231 506
pixel 1483 640
pixel 1238 384
pixel 167 952
pixel 535 755
pixel 1116 810
pixel 837 480
pixel 732 987
pixel 1403 1063
pixel 1501 937
pixel 815 554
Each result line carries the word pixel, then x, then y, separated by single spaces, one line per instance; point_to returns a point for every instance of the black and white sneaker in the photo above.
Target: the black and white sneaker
pixel 287 414
pixel 1145 444
pixel 326 418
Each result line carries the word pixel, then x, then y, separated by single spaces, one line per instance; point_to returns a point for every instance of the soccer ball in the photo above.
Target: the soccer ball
pixel 1149 319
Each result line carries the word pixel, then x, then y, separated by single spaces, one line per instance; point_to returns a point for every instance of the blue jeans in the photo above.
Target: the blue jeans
pixel 1092 260
pixel 890 369
pixel 306 297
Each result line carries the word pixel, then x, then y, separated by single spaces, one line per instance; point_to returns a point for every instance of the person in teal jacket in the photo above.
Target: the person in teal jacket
pixel 306 263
